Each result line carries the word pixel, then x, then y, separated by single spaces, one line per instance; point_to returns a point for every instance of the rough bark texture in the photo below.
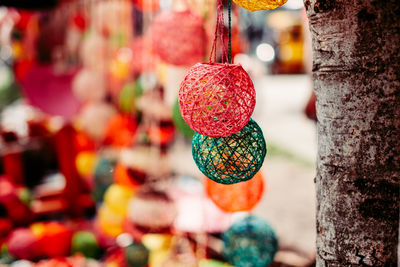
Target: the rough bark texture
pixel 356 72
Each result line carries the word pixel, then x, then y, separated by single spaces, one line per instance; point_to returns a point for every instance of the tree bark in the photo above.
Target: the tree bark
pixel 356 73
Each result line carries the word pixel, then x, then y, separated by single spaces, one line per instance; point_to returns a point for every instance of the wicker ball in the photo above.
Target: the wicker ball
pixel 217 99
pixel 250 242
pixel 254 5
pixel 236 197
pixel 232 159
pixel 180 123
pixel 179 37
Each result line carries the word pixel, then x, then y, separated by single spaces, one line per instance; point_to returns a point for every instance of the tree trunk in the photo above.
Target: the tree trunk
pixel 356 73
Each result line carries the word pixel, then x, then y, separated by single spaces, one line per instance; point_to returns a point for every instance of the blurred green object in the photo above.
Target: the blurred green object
pixel 86 243
pixel 103 177
pixel 180 123
pixel 128 96
pixel 250 242
pixel 137 255
pixel 9 91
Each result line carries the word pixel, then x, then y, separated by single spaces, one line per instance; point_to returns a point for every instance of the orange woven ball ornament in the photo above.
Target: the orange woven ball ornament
pixel 242 196
pixel 179 37
pixel 217 99
pixel 254 5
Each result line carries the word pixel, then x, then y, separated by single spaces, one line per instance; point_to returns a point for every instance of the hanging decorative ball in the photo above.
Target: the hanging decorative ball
pixel 179 37
pixel 130 92
pixel 236 197
pixel 255 5
pixel 94 117
pixel 85 163
pixel 250 242
pixel 117 197
pixel 217 99
pixel 95 52
pixel 137 255
pixel 103 177
pixel 152 211
pixel 120 131
pixel 85 242
pixel 89 85
pixel 232 159
pixel 109 221
pixel 180 123
pixel 143 57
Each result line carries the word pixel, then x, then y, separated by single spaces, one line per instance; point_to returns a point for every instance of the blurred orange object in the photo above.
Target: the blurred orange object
pixel 241 196
pixel 120 131
pixel 123 176
pixel 146 5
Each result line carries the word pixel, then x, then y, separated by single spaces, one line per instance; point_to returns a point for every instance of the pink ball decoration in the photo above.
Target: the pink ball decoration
pixel 179 37
pixel 89 85
pixel 217 99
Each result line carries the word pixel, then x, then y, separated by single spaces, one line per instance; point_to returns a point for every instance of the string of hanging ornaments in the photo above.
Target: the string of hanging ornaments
pixel 216 100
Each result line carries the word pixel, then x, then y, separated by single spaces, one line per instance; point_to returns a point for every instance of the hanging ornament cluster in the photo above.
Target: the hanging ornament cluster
pixel 232 159
pixel 216 100
pixel 236 197
pixel 250 242
pixel 255 5
pixel 179 37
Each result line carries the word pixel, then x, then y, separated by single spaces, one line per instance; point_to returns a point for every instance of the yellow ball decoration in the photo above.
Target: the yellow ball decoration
pixel 117 197
pixel 109 221
pixel 255 5
pixel 85 163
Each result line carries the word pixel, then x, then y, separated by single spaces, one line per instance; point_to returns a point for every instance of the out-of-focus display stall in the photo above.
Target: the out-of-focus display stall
pixel 117 148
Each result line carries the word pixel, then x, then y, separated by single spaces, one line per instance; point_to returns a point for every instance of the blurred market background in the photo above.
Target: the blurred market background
pixel 95 161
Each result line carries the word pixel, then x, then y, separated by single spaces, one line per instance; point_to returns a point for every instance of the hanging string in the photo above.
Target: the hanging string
pixel 229 32
pixel 220 32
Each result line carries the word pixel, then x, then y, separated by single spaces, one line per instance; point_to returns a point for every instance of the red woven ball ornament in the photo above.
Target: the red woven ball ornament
pixel 217 99
pixel 179 37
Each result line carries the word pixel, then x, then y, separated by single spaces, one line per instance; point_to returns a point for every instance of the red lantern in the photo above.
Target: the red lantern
pixel 141 55
pixel 236 197
pixel 217 99
pixel 179 37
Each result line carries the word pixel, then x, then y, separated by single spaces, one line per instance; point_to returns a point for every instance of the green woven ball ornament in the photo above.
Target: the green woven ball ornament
pixel 180 123
pixel 86 243
pixel 250 242
pixel 137 255
pixel 231 159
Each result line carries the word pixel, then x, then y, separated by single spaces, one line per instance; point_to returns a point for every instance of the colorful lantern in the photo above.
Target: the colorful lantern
pixel 152 211
pixel 110 222
pixel 23 244
pixel 120 131
pixel 250 242
pixel 85 243
pixel 179 37
pixel 89 85
pixel 236 197
pixel 127 97
pixel 217 99
pixel 85 163
pixel 137 255
pixel 143 58
pixel 94 118
pixel 180 123
pixel 254 5
pixel 95 52
pixel 232 159
pixel 117 198
pixel 103 177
